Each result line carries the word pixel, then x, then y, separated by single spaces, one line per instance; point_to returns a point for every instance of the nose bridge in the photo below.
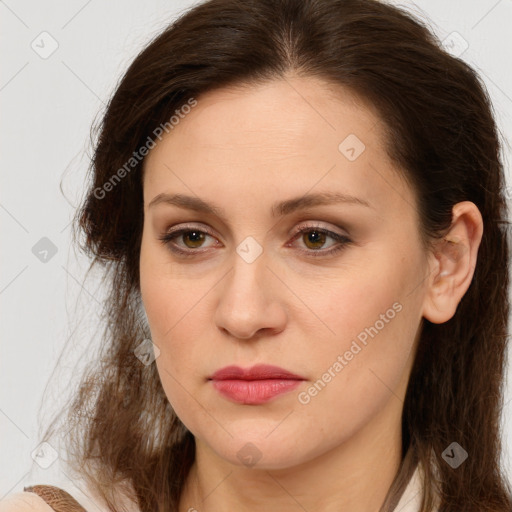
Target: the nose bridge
pixel 246 303
pixel 247 277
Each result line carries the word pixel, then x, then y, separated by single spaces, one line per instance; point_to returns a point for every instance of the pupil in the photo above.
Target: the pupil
pixel 315 237
pixel 195 236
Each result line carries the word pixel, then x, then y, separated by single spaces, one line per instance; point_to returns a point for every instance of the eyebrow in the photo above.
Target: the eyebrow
pixel 278 209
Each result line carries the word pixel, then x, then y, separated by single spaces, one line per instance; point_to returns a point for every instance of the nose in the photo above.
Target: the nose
pixel 249 301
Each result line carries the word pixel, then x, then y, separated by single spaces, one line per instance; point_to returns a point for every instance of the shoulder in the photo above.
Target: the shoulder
pixel 24 502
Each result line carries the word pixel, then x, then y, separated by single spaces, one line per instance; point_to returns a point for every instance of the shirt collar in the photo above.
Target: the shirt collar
pixel 410 500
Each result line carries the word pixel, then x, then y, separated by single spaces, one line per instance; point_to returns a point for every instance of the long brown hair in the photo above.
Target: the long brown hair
pixel 440 131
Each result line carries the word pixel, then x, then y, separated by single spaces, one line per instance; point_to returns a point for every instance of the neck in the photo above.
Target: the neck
pixel 355 475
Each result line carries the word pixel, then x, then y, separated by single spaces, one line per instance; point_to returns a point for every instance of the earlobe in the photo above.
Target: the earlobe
pixel 452 263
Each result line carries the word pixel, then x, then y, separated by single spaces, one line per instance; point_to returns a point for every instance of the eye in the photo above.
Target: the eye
pixel 313 237
pixel 192 237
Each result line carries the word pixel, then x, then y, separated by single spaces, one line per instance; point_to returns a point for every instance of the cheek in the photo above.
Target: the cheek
pixel 351 306
pixel 174 326
pixel 166 307
pixel 360 372
pixel 173 316
pixel 374 319
pixel 166 297
pixel 175 309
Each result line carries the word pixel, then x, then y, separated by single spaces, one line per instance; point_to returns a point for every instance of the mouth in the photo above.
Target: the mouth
pixel 256 385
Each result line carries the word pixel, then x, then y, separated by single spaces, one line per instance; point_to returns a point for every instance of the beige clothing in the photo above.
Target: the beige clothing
pixel 30 502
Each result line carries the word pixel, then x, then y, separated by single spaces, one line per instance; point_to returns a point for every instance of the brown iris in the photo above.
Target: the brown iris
pixel 196 237
pixel 314 237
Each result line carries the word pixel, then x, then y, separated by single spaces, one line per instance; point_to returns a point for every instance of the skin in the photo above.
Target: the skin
pixel 243 149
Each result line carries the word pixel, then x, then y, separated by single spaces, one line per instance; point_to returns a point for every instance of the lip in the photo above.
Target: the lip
pixel 255 385
pixel 257 372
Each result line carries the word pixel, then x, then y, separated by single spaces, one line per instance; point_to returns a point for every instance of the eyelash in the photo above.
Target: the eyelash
pixel 343 240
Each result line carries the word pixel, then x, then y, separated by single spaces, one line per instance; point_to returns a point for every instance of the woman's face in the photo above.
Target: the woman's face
pixel 252 282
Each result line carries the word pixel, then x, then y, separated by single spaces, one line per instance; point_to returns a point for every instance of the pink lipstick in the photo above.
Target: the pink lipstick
pixel 256 385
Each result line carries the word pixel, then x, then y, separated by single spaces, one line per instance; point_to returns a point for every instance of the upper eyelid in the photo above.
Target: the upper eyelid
pixel 301 227
pixel 209 229
pixel 341 240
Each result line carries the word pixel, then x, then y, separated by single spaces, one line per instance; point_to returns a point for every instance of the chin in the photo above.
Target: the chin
pixel 263 452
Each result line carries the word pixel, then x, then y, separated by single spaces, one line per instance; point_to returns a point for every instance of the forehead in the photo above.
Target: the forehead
pixel 286 136
pixel 288 113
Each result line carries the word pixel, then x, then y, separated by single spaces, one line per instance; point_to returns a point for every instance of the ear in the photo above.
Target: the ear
pixel 452 263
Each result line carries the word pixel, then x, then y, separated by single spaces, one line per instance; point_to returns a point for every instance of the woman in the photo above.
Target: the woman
pixel 300 209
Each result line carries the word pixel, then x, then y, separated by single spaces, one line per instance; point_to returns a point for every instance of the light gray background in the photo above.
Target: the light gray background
pixel 48 105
